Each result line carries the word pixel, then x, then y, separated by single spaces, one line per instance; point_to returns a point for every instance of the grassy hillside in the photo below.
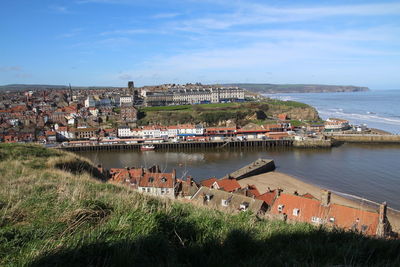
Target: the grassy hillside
pixel 52 217
pixel 213 114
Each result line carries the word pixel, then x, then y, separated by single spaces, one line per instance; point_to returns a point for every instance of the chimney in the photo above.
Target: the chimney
pixel 100 168
pixel 174 174
pixel 382 229
pixel 279 191
pixel 325 198
pixel 189 180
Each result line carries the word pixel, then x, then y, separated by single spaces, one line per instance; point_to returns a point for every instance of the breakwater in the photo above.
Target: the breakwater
pixel 254 168
pixel 184 145
pixel 312 143
pixel 365 138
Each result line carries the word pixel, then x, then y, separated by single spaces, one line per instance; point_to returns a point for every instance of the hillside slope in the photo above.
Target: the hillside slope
pixel 53 212
pixel 220 114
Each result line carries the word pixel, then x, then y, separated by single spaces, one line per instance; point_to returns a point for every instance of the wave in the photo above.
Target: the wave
pixel 369 117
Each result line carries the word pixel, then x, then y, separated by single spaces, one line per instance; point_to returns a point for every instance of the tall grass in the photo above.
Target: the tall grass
pixel 52 217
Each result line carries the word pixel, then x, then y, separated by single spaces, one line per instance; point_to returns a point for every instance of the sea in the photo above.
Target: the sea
pixel 377 108
pixel 370 171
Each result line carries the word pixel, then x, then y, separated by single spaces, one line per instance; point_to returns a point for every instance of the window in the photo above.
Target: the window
pixel 332 219
pixel 280 208
pixel 296 212
pixel 244 206
pixel 224 202
pixel 151 179
pixel 208 197
pixel 162 191
pixel 148 190
pixel 316 220
pixel 163 179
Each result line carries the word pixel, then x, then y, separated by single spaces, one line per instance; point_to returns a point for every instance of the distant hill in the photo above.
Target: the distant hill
pixel 297 88
pixel 21 87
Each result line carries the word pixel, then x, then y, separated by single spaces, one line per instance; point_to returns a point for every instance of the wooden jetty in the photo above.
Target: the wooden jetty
pixel 183 145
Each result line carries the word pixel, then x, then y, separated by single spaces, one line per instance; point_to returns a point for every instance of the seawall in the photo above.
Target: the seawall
pixel 311 143
pixel 365 138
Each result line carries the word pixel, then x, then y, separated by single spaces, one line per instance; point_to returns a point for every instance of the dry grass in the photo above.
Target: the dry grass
pixel 54 217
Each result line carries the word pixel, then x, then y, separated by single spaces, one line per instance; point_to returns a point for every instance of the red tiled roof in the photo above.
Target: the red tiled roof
pixel 308 195
pixel 268 197
pixel 253 190
pixel 221 129
pixel 333 214
pixel 159 180
pixel 228 185
pixel 208 182
pixel 252 131
pixel 50 133
pixel 115 170
pixel 351 218
pixel 308 208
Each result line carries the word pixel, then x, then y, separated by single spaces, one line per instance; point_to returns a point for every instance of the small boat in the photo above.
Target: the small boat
pixel 147 148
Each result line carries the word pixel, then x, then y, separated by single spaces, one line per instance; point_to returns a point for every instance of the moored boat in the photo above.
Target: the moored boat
pixel 147 147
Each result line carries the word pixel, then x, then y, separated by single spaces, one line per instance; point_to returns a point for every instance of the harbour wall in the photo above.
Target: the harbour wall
pixel 365 138
pixel 257 167
pixel 311 143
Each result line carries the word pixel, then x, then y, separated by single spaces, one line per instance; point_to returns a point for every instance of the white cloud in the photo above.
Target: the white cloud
pixel 165 15
pixel 258 14
pixel 10 69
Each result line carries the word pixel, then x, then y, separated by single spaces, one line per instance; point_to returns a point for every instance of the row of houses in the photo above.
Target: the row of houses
pixel 228 195
pixel 187 131
pixel 183 95
pixel 153 181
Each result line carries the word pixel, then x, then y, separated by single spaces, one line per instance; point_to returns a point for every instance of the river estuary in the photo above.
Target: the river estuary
pixel 369 171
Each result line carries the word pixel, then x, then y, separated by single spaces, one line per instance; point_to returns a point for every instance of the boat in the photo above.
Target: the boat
pixel 147 148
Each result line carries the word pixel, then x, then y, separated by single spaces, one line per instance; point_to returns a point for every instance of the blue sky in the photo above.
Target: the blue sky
pixel 108 42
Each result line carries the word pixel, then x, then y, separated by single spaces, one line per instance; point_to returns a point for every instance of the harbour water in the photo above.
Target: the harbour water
pixel 369 171
pixel 376 108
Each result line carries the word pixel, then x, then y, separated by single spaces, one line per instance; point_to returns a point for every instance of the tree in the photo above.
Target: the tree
pixel 261 115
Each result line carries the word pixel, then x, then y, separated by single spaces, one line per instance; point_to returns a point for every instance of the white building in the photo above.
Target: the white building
pixel 90 102
pixel 191 130
pixel 127 99
pixel 335 125
pixel 158 184
pixel 125 131
pixel 182 95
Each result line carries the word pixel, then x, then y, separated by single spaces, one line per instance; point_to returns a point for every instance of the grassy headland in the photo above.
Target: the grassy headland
pixel 215 114
pixel 53 212
pixel 267 88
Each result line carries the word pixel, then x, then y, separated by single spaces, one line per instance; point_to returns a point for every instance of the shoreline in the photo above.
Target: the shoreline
pixel 289 184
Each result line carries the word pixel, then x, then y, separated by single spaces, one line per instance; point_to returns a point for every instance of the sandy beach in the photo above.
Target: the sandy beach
pixel 289 184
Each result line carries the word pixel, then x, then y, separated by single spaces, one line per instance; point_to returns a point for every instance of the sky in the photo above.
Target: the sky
pixel 108 42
